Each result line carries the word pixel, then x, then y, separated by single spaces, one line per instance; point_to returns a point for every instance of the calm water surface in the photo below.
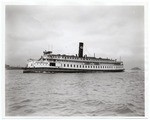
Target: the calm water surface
pixel 75 94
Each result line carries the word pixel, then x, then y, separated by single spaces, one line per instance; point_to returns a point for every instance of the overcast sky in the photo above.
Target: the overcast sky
pixel 107 31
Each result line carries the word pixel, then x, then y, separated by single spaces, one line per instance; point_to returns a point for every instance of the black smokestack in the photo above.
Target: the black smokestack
pixel 80 49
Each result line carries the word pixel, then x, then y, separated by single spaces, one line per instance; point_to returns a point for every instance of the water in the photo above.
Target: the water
pixel 74 94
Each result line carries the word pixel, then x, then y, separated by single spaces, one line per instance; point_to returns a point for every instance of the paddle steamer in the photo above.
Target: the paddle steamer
pixel 52 63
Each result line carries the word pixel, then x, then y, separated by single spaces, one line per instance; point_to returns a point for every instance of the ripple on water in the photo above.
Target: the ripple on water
pixel 17 107
pixel 92 94
pixel 92 102
pixel 125 109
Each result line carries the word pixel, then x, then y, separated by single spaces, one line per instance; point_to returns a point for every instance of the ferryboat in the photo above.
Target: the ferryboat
pixel 54 63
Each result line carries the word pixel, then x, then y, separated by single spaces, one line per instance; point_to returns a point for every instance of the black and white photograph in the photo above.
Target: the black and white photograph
pixel 74 60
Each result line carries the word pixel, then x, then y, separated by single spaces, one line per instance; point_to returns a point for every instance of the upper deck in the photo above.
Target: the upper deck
pixel 47 55
pixel 74 58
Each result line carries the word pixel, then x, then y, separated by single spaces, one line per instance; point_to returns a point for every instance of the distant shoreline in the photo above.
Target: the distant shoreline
pixel 8 67
pixel 15 68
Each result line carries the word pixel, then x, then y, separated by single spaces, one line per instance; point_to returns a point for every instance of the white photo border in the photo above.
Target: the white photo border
pixel 144 3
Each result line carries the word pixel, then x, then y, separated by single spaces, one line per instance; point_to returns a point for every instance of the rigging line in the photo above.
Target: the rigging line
pixel 87 50
pixel 74 50
pixel 48 48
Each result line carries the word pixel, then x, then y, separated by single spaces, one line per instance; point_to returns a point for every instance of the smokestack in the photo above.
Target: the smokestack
pixel 80 49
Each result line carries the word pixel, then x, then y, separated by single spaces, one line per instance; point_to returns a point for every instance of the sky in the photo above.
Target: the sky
pixel 108 31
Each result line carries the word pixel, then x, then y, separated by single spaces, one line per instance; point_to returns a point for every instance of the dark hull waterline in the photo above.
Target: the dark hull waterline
pixel 62 70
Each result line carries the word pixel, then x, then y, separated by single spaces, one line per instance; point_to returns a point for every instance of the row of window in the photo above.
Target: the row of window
pixel 88 66
pixel 51 64
pixel 77 66
pixel 77 58
pixel 40 63
pixel 109 62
